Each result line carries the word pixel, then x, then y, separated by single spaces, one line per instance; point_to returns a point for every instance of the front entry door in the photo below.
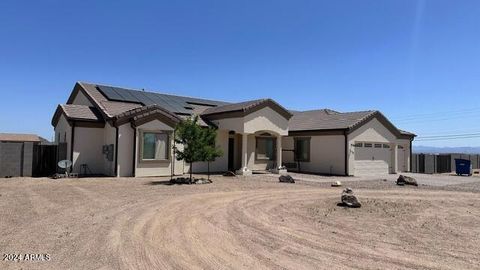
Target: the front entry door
pixel 231 154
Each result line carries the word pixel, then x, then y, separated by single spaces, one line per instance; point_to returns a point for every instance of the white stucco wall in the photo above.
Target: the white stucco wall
pixel 87 149
pixel 109 138
pixel 403 159
pixel 63 133
pixel 153 168
pixel 235 124
pixel 125 150
pixel 221 163
pixel 327 154
pixel 266 119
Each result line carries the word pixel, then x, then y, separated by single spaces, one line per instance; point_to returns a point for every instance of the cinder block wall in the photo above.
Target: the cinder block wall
pixel 16 159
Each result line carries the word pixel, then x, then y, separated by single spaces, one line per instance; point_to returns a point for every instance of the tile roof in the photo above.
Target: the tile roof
pixel 326 119
pixel 240 106
pixel 13 137
pixel 247 106
pixel 146 111
pixel 82 112
pixel 403 132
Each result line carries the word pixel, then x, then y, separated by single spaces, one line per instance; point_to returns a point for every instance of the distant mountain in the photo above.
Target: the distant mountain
pixel 445 150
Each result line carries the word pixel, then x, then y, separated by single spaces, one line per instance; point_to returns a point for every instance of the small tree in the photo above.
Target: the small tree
pixel 210 151
pixel 190 135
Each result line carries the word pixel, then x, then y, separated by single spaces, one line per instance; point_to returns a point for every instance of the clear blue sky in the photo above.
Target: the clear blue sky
pixel 416 61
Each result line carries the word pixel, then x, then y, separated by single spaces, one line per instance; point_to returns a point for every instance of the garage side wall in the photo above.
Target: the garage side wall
pixel 403 155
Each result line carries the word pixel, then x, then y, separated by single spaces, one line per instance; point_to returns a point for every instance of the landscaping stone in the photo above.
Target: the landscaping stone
pixel 186 180
pixel 286 179
pixel 349 199
pixel 203 181
pixel 337 184
pixel 406 180
pixel 229 173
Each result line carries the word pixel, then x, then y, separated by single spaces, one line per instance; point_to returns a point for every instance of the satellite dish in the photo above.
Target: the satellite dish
pixel 64 164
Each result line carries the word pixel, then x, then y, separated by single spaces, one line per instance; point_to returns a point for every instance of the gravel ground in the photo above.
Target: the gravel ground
pixel 237 223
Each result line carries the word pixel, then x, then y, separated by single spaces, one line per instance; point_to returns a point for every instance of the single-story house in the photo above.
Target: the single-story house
pixel 117 131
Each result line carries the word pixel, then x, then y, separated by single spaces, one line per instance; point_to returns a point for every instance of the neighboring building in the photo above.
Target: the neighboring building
pixel 123 132
pixel 16 154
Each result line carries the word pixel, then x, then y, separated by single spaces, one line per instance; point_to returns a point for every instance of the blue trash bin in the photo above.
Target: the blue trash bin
pixel 463 167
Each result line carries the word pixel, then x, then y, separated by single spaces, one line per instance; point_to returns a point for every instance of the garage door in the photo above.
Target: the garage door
pixel 372 159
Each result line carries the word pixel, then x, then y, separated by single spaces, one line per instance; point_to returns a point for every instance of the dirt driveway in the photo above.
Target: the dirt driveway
pixel 253 223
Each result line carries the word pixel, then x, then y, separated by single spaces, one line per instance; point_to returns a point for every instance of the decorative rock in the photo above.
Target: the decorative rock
pixel 286 179
pixel 203 181
pixel 337 184
pixel 229 173
pixel 406 180
pixel 348 199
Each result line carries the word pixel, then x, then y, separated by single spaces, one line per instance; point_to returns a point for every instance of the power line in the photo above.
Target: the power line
pixel 448 132
pixel 450 135
pixel 447 138
pixel 423 115
pixel 438 118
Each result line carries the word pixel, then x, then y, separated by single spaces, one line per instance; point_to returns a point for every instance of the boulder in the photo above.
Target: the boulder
pixel 203 181
pixel 337 184
pixel 286 179
pixel 349 199
pixel 406 180
pixel 229 173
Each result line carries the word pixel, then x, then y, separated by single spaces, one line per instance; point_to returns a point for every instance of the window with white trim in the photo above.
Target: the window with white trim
pixel 155 146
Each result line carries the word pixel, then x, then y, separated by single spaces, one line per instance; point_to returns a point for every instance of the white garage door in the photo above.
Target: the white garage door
pixel 372 159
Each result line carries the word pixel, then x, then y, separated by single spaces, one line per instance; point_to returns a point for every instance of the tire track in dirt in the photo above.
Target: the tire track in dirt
pixel 264 230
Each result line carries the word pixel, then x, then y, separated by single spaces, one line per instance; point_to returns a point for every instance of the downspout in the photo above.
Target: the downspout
pixel 411 155
pixel 72 140
pixel 173 157
pixel 345 133
pixel 134 164
pixel 116 151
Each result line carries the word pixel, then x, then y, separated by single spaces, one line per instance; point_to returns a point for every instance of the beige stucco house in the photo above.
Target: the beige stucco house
pixel 124 132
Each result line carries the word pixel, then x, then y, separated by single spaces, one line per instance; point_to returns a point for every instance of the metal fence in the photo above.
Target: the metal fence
pixel 441 163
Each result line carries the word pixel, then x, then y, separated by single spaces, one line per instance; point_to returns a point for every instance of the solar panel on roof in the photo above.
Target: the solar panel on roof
pixel 128 95
pixel 110 93
pixel 176 104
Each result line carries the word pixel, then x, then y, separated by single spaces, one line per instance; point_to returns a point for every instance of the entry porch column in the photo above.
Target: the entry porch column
pixel 244 170
pixel 279 168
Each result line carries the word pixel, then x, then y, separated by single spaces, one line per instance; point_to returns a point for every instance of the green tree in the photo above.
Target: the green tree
pixel 189 134
pixel 210 151
pixel 198 143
